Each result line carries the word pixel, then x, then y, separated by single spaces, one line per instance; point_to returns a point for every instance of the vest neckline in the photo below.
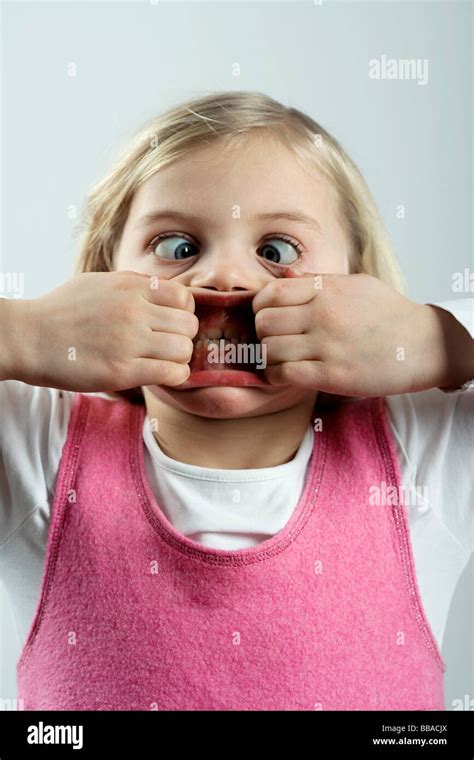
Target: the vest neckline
pixel 181 543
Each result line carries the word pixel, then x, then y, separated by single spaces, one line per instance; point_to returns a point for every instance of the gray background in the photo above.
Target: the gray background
pixel 413 143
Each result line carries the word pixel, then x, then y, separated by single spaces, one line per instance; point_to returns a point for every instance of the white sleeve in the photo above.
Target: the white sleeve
pixel 435 435
pixel 463 310
pixel 33 430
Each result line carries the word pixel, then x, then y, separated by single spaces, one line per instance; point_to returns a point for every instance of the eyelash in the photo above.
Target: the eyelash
pixel 277 236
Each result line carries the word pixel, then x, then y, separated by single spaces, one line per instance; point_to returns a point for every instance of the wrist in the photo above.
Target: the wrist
pixel 454 349
pixel 15 340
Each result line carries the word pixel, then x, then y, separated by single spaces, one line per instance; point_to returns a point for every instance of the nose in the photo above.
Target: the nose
pixel 227 269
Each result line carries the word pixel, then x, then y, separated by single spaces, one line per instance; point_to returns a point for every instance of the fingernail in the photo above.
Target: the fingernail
pixel 292 272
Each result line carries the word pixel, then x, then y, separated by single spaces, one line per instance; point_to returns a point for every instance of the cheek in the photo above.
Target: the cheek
pixel 127 259
pixel 330 259
pixel 119 258
pixel 129 254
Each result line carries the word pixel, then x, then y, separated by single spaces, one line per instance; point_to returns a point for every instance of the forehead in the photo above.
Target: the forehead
pixel 254 172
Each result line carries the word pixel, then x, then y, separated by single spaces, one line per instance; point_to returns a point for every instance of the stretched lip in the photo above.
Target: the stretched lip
pixel 229 378
pixel 225 300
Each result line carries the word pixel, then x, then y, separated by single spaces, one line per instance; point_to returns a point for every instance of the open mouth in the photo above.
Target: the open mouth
pixel 227 351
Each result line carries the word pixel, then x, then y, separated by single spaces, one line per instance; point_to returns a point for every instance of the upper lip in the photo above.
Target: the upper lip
pixel 224 299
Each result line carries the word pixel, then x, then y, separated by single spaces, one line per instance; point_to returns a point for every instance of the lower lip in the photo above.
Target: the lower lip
pixel 218 378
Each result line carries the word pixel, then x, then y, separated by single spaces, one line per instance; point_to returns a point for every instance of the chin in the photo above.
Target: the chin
pixel 228 402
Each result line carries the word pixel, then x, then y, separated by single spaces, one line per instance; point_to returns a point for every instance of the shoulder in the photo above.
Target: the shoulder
pixel 430 417
pixel 32 435
pixel 34 421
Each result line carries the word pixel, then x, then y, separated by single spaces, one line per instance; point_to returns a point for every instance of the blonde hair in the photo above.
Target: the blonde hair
pixel 225 116
pixel 200 121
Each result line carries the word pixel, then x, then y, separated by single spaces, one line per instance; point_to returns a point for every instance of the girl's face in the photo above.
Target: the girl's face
pixel 227 219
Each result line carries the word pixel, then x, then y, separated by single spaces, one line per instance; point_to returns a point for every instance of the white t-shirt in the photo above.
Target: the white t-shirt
pixel 434 440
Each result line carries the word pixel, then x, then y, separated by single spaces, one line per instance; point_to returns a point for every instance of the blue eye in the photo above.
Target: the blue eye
pixel 164 247
pixel 288 254
pixel 170 250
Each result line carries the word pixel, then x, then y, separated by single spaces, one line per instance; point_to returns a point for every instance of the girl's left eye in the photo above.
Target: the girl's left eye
pixel 287 254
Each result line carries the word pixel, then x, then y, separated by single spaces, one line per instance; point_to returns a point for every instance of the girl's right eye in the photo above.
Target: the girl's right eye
pixel 168 249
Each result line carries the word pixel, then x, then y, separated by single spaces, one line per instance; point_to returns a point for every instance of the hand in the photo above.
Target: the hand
pixel 348 334
pixel 102 331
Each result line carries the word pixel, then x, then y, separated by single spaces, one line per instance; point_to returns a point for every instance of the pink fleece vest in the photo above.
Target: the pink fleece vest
pixel 133 615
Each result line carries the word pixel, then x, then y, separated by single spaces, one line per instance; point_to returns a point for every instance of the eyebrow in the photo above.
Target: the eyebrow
pixel 291 216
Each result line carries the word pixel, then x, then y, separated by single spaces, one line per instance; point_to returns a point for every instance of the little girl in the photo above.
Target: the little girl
pixel 276 526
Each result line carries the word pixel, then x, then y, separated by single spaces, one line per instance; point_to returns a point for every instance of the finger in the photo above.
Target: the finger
pixel 300 374
pixel 289 348
pixel 291 320
pixel 296 270
pixel 157 372
pixel 167 347
pixel 286 292
pixel 172 320
pixel 167 293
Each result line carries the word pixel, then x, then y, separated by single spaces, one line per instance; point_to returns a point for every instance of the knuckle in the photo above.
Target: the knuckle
pixel 176 374
pixel 327 310
pixel 190 323
pixel 279 287
pixel 180 293
pixel 261 322
pixel 287 372
pixel 281 373
pixel 165 370
pixel 124 278
pixel 186 348
pixel 336 376
pixel 120 372
pixel 127 311
pixel 269 349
